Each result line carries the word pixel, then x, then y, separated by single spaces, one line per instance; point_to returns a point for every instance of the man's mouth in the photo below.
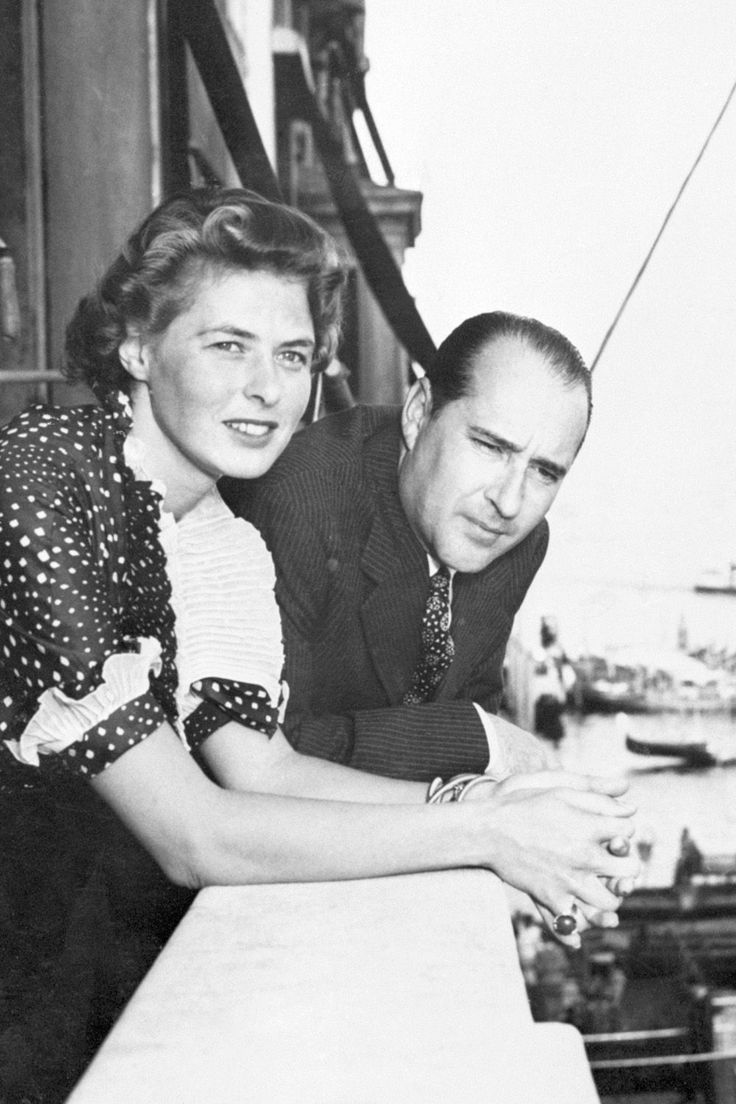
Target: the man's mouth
pixel 490 530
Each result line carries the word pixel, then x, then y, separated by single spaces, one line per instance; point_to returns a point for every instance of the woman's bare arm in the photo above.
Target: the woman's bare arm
pixel 548 842
pixel 243 759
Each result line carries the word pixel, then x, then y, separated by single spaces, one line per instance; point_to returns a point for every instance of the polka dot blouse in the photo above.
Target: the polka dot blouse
pixel 115 617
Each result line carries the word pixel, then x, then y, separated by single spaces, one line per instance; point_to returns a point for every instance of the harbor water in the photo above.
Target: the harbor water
pixel 669 796
pixel 595 616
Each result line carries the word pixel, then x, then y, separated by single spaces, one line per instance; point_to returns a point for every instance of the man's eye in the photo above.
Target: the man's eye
pixel 547 476
pixel 228 346
pixel 486 445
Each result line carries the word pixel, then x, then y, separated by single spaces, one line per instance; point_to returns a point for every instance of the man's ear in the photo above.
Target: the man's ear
pixel 416 412
pixel 133 354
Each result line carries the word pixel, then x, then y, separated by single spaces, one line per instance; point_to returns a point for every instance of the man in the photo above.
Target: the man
pixel 365 506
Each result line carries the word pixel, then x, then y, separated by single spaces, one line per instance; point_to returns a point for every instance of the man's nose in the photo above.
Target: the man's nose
pixel 507 492
pixel 263 380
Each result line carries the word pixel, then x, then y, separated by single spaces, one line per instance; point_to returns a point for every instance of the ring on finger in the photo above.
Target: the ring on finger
pixel 566 923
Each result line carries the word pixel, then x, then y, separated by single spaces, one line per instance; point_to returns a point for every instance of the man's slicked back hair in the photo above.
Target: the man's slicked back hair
pixel 451 371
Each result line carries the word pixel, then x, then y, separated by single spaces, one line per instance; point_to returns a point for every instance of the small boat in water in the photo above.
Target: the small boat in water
pixel 607 686
pixel 693 753
pixel 717 580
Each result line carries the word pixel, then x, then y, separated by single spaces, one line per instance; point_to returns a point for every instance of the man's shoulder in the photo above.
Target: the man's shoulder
pixel 518 566
pixel 335 441
pixel 321 461
pixel 536 542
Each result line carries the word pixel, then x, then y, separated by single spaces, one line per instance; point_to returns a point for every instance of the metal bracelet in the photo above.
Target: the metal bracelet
pixel 456 788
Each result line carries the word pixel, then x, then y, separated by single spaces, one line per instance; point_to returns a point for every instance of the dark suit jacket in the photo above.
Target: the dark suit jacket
pixel 352 581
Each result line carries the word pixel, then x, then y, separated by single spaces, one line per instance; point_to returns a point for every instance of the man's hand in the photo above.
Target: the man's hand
pixel 551 838
pixel 517 751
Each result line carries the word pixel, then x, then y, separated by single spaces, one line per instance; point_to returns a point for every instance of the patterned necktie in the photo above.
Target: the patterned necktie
pixel 438 647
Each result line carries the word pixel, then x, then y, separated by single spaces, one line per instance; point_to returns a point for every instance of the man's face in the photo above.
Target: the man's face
pixel 478 477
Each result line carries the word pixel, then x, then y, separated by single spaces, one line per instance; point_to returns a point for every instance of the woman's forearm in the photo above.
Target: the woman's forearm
pixel 296 839
pixel 203 834
pixel 549 842
pixel 243 759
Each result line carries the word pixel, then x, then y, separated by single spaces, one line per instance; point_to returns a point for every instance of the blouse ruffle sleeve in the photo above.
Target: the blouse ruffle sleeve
pixel 224 700
pixel 95 730
pixel 73 680
pixel 114 617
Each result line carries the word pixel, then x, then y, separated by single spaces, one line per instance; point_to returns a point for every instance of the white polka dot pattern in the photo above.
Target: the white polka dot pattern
pixel 83 578
pixel 61 721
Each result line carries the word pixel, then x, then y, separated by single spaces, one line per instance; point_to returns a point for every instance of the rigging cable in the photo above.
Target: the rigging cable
pixel 667 218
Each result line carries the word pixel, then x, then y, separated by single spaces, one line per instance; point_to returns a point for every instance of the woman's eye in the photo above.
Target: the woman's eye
pixel 228 346
pixel 294 359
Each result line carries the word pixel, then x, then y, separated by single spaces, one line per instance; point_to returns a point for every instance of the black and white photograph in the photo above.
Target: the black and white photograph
pixel 367 552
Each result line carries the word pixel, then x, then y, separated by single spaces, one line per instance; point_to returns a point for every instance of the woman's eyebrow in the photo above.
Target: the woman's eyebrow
pixel 225 327
pixel 247 335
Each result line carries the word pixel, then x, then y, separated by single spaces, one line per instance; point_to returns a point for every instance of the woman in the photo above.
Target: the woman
pixel 141 643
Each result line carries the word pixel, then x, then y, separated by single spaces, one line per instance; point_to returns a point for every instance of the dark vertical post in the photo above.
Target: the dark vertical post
pixel 174 99
pixel 201 26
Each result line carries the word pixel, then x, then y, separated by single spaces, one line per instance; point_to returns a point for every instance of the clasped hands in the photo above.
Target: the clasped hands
pixel 567 844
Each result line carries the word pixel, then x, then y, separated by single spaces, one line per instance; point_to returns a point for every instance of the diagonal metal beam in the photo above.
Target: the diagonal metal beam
pixel 200 25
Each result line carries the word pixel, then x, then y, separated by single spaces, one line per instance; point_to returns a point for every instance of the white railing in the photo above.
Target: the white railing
pixel 386 991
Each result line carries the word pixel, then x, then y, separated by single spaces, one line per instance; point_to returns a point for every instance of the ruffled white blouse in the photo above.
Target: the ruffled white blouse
pixel 227 627
pixel 222 582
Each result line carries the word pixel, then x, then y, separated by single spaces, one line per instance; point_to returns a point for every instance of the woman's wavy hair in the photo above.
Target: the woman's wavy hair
pixel 157 274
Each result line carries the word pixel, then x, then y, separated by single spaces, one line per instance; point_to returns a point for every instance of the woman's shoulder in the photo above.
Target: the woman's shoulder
pixel 58 421
pixel 61 432
pixel 51 450
pixel 47 422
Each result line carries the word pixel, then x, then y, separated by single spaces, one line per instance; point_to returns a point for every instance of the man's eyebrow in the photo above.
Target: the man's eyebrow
pixel 558 470
pixel 494 438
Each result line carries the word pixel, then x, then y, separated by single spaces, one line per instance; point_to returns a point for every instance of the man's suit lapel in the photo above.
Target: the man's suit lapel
pixel 395 566
pixel 478 620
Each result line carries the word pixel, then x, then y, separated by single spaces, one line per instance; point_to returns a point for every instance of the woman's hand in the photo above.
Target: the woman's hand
pixel 552 833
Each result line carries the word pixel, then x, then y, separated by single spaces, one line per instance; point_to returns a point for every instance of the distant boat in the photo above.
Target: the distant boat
pixel 694 753
pixel 717 580
pixel 647 681
pixel 608 695
pixel 605 686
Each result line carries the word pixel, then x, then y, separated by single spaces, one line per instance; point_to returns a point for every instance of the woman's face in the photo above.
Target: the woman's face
pixel 226 384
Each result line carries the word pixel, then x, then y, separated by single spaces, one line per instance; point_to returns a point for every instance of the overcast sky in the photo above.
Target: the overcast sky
pixel 549 141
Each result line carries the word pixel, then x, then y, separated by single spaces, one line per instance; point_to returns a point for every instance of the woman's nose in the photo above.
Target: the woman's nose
pixel 263 380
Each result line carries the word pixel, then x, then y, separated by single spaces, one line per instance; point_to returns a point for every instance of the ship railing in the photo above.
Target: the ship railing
pixel 670 1060
pixel 404 989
